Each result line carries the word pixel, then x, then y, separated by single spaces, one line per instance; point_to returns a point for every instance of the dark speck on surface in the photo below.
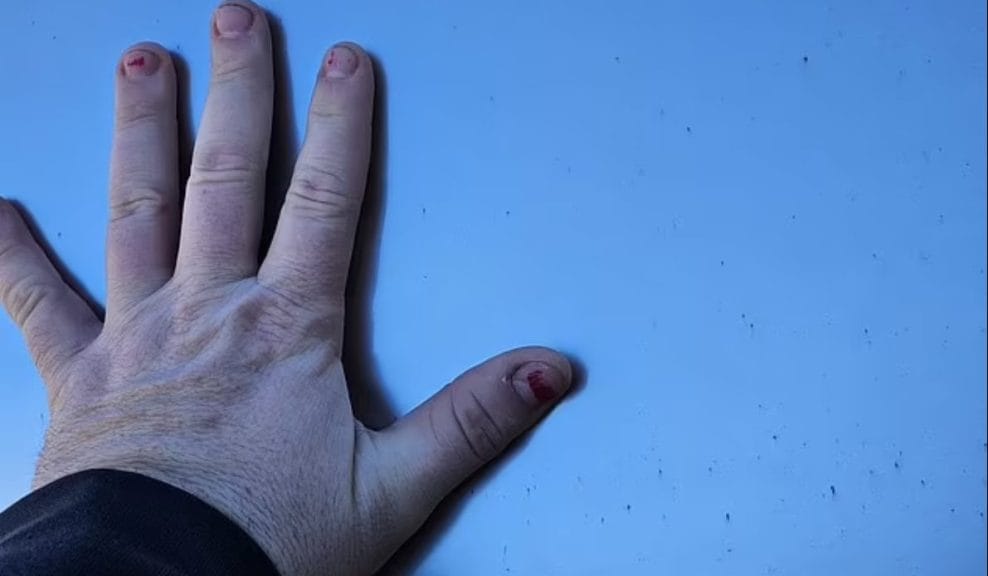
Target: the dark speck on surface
pixel 896 464
pixel 806 59
pixel 727 517
pixel 833 490
pixel 627 507
pixel 689 129
pixel 775 436
pixel 507 212
pixel 617 59
pixel 922 482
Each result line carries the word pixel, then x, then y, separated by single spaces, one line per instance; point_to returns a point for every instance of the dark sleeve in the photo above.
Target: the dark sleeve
pixel 109 523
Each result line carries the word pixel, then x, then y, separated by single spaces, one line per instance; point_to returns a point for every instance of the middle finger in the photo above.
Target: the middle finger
pixel 224 203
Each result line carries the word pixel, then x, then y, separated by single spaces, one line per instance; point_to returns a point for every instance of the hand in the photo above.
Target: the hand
pixel 221 375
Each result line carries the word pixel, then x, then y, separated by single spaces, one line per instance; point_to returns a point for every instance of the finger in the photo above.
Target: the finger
pixel 469 422
pixel 310 252
pixel 144 211
pixel 225 195
pixel 55 321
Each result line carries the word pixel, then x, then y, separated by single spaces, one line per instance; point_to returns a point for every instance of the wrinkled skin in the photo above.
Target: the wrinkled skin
pixel 222 375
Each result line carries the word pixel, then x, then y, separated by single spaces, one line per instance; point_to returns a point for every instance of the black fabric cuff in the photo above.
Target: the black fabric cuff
pixel 109 523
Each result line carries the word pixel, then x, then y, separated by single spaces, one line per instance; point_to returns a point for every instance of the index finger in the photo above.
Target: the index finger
pixel 310 252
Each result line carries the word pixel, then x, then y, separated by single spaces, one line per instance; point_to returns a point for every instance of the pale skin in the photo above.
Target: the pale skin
pixel 221 374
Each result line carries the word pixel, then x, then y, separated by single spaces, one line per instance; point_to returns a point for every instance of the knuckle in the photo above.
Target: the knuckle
pixel 481 434
pixel 143 202
pixel 224 164
pixel 290 293
pixel 224 157
pixel 321 192
pixel 289 311
pixel 138 113
pixel 241 69
pixel 24 296
pixel 284 300
pixel 327 115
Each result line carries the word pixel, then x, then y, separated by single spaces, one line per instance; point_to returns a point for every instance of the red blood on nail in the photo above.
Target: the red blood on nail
pixel 138 61
pixel 541 391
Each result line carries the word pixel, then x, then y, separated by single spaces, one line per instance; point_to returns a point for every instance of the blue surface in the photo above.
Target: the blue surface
pixel 759 225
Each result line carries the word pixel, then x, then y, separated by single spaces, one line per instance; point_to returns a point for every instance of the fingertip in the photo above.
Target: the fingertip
pixel 519 356
pixel 346 60
pixel 540 383
pixel 144 59
pixel 233 20
pixel 356 48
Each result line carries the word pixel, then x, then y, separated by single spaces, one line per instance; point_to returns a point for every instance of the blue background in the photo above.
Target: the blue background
pixel 759 225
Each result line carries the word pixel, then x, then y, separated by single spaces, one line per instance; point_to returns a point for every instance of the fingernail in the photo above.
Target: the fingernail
pixel 539 383
pixel 140 63
pixel 233 20
pixel 342 62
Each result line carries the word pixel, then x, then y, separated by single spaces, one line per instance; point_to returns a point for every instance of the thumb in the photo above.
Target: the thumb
pixel 468 423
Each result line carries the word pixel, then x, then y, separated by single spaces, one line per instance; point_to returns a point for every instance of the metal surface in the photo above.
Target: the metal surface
pixel 760 226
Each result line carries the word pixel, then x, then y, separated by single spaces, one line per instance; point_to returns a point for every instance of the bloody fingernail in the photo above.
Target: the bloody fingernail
pixel 140 62
pixel 342 62
pixel 539 383
pixel 232 20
